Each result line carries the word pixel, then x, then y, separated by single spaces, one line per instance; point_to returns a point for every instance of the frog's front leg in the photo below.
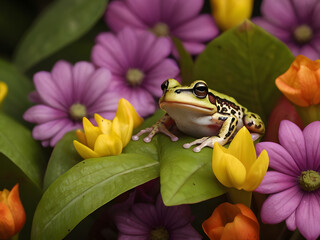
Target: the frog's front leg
pixel 160 126
pixel 227 129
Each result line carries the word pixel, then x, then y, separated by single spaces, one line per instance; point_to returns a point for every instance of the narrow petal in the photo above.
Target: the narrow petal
pixel 137 120
pixel 6 222
pixel 67 128
pixel 257 172
pixel 185 233
pixel 42 113
pixel 103 124
pixel 123 127
pixel 16 208
pixel 282 34
pixel 146 213
pixel 130 224
pixel 292 139
pixel 148 11
pixel 84 151
pixel 309 52
pixel 107 103
pixel 193 48
pixel 49 129
pixel 274 182
pixel 81 136
pixel 311 134
pixel 308 217
pixel 304 9
pixel 108 145
pixel 279 158
pixel 281 205
pixel 291 222
pixel 91 132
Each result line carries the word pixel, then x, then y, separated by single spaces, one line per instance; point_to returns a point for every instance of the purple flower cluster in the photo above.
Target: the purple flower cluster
pixel 294 182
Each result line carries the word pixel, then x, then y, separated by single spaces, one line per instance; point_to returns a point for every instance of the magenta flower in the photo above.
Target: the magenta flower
pixel 179 18
pixel 65 96
pixel 295 22
pixel 148 221
pixel 294 182
pixel 139 65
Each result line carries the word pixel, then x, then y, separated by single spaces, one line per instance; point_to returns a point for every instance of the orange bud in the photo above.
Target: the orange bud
pixel 12 214
pixel 301 82
pixel 232 221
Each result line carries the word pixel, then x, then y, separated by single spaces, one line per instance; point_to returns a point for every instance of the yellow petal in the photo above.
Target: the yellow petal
pixel 3 91
pixel 84 151
pixel 228 170
pixel 242 148
pixel 257 172
pixel 122 129
pixel 137 120
pixel 81 136
pixel 91 132
pixel 108 144
pixel 103 124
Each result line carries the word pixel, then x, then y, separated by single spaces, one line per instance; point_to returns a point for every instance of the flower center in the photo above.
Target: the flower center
pixel 134 76
pixel 303 34
pixel 77 111
pixel 159 233
pixel 309 180
pixel 160 29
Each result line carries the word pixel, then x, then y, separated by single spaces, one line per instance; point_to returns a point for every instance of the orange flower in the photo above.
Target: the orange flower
pixel 12 214
pixel 232 221
pixel 301 82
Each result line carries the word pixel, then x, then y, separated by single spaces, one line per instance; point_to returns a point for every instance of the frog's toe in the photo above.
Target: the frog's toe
pixel 135 137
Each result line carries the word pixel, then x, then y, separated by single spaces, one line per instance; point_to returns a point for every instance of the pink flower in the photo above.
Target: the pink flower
pixel 178 18
pixel 139 64
pixel 67 94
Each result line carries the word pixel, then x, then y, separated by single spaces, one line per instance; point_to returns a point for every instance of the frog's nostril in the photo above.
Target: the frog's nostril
pixel 177 91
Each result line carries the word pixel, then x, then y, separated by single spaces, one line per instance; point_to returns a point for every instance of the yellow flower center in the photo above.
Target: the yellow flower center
pixel 309 180
pixel 160 29
pixel 77 111
pixel 134 76
pixel 159 233
pixel 303 34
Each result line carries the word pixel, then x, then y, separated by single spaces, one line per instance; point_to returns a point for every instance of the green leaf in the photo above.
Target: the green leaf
pixel 61 23
pixel 185 62
pixel 86 187
pixel 244 63
pixel 185 176
pixel 17 144
pixel 16 102
pixel 64 156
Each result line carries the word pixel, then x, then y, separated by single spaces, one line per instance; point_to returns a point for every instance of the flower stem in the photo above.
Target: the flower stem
pixel 240 196
pixel 309 114
pixel 296 236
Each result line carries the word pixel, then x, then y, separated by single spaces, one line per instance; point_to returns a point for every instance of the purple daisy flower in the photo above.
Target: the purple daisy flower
pixel 65 96
pixel 147 221
pixel 178 18
pixel 295 22
pixel 139 65
pixel 294 182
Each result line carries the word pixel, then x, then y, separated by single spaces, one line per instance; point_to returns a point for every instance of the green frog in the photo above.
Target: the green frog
pixel 202 113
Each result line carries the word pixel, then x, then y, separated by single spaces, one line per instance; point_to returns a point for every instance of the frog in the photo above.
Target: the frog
pixel 202 113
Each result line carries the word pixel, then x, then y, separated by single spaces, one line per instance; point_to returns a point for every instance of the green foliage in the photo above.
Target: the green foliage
pixel 86 187
pixel 62 23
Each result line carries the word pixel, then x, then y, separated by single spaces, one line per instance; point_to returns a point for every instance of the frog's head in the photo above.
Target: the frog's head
pixel 195 97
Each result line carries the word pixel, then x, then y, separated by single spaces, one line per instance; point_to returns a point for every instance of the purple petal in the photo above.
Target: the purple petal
pixel 304 9
pixel 66 128
pixel 43 113
pixel 62 76
pixel 291 221
pixel 274 182
pixel 35 97
pixel 146 213
pixel 106 103
pixel 280 13
pixel 175 12
pixel 316 16
pixel 282 34
pixel 292 139
pixel 200 29
pixel 310 52
pixel 108 53
pixel 48 90
pixel 308 217
pixel 47 130
pixel 148 11
pixel 185 233
pixel 164 70
pixel 81 73
pixel 192 47
pixel 311 135
pixel 128 223
pixel 281 205
pixel 118 16
pixel 279 159
pixel 144 236
pixel 295 49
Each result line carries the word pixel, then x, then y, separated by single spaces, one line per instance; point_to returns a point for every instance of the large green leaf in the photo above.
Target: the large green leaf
pixel 186 176
pixel 62 23
pixel 17 144
pixel 86 187
pixel 64 156
pixel 244 63
pixel 16 102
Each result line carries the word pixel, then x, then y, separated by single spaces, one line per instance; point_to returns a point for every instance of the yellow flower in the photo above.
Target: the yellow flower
pixel 237 166
pixel 109 137
pixel 3 91
pixel 229 13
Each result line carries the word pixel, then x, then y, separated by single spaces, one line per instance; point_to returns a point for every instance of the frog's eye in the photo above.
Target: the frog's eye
pixel 164 85
pixel 200 90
